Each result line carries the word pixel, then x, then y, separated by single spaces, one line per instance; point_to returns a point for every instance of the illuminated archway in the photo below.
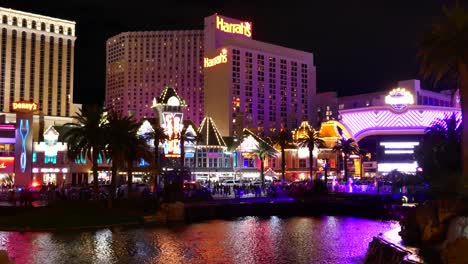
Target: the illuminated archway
pixel 383 120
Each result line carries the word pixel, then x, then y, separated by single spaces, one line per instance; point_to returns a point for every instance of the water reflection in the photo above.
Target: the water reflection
pixel 245 240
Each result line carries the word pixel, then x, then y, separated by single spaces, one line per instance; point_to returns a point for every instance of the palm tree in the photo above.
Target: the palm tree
pixel 347 147
pixel 443 54
pixel 87 138
pixel 158 135
pixel 263 151
pixel 282 138
pixel 439 154
pixel 121 143
pixel 310 140
pixel 138 150
pixel 362 156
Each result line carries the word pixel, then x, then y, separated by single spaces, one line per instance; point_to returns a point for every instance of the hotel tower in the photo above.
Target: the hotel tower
pixel 141 64
pixel 220 71
pixel 36 60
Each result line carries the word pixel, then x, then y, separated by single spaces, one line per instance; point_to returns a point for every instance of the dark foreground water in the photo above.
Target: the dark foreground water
pixel 327 239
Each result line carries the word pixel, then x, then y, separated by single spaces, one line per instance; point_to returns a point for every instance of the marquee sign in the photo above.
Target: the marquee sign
pixel 221 58
pixel 242 28
pixel 399 98
pixel 24 107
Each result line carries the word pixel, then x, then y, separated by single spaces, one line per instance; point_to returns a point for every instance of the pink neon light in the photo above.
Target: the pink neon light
pixel 361 121
pixel 12 127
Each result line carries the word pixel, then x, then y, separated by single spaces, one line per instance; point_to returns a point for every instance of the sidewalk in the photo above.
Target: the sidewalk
pixel 34 204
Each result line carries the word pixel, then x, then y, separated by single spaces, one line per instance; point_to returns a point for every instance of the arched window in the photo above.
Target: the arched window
pixel 4 19
pixel 52 28
pixel 15 21
pixel 42 26
pixel 61 30
pixel 69 31
pixel 33 26
pixel 24 23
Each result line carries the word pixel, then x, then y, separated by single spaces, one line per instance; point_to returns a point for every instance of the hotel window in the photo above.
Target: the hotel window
pixel 302 163
pixel 59 77
pixel 13 66
pixel 51 76
pixel 32 65
pixel 2 68
pixel 22 65
pixel 41 72
pixel 15 21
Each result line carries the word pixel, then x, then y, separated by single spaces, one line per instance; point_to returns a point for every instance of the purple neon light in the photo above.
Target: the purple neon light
pixel 12 127
pixel 358 122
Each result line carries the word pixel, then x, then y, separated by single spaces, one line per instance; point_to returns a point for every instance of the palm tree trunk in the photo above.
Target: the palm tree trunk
pixel 156 164
pixel 95 177
pixel 311 162
pixel 463 69
pixel 345 164
pixel 130 177
pixel 262 169
pixel 283 163
pixel 182 152
pixel 112 189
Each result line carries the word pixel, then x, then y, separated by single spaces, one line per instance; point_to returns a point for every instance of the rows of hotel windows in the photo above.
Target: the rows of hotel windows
pixel 292 100
pixel 23 52
pixel 154 60
pixel 37 25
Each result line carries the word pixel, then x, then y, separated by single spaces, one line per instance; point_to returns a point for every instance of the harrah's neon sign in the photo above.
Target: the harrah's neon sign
pixel 399 98
pixel 243 28
pixel 221 58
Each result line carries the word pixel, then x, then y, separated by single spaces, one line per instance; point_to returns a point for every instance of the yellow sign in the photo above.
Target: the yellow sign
pixel 221 58
pixel 243 28
pixel 23 106
pixel 2 165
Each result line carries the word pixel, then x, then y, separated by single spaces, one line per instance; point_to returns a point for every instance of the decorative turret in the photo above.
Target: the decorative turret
pixel 210 135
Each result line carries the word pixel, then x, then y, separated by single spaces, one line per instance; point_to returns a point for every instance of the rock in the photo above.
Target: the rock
pixel 170 212
pixel 384 252
pixel 455 252
pixel 4 259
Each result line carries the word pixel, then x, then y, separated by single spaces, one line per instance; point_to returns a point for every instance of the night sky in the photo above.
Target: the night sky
pixel 359 46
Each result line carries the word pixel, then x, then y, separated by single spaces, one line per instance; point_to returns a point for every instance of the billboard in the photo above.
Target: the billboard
pixel 172 124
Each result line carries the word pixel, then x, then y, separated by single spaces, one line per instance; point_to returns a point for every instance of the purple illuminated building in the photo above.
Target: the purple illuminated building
pixel 389 124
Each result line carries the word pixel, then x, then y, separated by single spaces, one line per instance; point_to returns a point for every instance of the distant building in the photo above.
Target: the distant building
pixel 37 62
pixel 139 65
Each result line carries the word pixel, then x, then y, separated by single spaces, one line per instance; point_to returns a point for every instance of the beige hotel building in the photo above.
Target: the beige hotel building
pixel 36 64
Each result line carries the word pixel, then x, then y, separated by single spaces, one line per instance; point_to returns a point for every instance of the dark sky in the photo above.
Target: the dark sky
pixel 359 46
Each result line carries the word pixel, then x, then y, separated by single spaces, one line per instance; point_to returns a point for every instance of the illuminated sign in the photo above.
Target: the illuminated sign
pixel 221 58
pixel 23 106
pixel 242 28
pixel 249 144
pixel 172 125
pixel 7 164
pixel 24 131
pixel 399 98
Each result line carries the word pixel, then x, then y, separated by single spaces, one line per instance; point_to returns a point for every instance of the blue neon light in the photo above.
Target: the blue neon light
pixel 24 132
